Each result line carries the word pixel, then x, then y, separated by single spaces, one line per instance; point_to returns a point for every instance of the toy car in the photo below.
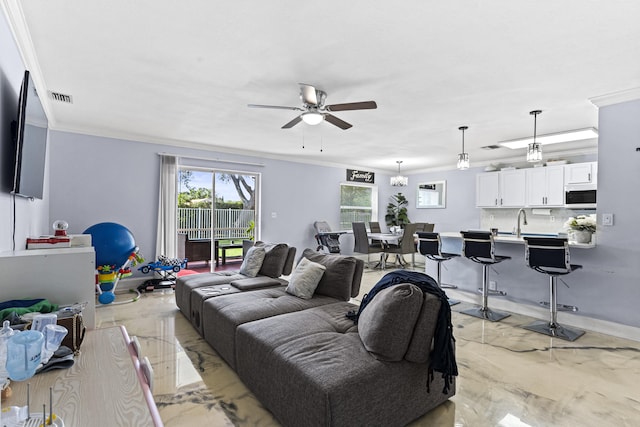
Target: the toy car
pixel 174 265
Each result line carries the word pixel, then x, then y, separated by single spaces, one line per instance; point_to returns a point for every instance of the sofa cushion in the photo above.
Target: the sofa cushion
pixel 258 282
pixel 288 264
pixel 222 315
pixel 186 284
pixel 421 341
pixel 252 261
pixel 338 278
pixel 386 325
pixel 309 368
pixel 305 278
pixel 274 259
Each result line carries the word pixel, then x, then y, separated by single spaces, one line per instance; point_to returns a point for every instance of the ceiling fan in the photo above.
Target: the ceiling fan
pixel 314 110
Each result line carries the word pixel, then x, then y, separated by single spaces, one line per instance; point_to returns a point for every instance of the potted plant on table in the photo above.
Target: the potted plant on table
pixel 397 211
pixel 581 227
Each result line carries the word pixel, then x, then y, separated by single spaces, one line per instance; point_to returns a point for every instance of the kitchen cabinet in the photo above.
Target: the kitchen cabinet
pixel 501 189
pixel 581 173
pixel 545 186
pixel 488 189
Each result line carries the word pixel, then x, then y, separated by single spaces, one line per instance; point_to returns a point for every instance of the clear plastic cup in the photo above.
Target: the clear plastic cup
pixel 53 336
pixel 24 353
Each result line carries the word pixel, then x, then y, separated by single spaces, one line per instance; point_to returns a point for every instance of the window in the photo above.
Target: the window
pixel 358 203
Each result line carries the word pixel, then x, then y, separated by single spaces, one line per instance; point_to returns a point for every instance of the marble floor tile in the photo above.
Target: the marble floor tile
pixel 508 376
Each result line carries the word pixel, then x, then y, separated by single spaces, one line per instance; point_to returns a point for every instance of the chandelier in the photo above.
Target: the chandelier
pixel 399 180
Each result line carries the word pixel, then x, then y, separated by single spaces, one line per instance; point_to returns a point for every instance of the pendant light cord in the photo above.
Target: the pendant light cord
pixel 463 128
pixel 535 123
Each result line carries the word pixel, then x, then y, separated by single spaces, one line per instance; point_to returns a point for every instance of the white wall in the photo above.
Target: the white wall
pixel 95 179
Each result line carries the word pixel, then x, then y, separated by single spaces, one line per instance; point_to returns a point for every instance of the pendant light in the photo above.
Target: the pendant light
pixel 463 158
pixel 399 180
pixel 534 150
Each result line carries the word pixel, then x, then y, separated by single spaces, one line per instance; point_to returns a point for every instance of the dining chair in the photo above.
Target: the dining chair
pixel 361 242
pixel 374 227
pixel 406 244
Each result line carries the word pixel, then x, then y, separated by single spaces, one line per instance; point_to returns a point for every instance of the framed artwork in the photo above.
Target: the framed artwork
pixel 432 195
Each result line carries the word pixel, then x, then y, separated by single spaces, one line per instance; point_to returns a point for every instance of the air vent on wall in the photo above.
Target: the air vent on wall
pixel 61 97
pixel 491 147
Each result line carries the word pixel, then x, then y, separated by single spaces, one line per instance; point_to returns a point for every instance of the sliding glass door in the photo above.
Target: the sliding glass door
pixel 216 208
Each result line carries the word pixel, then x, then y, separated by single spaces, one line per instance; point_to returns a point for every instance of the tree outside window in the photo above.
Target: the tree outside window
pixel 358 203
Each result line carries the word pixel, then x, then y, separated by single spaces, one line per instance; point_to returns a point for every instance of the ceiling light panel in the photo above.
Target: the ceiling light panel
pixel 553 138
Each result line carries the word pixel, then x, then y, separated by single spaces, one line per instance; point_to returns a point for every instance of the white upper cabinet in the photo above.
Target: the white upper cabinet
pixel 512 188
pixel 532 187
pixel 488 189
pixel 501 189
pixel 545 186
pixel 581 173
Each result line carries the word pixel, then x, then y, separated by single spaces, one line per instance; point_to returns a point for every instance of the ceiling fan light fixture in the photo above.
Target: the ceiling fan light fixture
pixel 463 158
pixel 399 180
pixel 534 149
pixel 312 117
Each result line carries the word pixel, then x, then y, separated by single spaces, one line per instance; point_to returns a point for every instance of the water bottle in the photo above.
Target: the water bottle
pixel 5 333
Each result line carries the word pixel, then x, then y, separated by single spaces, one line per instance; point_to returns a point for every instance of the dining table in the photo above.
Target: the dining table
pixel 386 238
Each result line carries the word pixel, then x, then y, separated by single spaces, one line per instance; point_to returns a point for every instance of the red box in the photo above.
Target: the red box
pixel 48 242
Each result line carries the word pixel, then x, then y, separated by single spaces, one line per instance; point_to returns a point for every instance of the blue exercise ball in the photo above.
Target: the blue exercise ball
pixel 112 242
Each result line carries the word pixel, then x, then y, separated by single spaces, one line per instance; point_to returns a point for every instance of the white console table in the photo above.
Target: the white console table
pixel 62 276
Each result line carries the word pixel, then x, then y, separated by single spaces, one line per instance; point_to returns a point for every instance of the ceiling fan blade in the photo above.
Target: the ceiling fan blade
pixel 308 94
pixel 336 121
pixel 366 105
pixel 278 107
pixel 292 123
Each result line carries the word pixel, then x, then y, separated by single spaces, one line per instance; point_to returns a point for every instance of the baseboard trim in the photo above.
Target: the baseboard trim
pixel 566 318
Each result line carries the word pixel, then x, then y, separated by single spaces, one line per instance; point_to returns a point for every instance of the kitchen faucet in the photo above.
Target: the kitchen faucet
pixel 524 214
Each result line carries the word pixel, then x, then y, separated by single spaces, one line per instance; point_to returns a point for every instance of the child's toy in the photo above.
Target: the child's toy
pixel 166 268
pixel 108 278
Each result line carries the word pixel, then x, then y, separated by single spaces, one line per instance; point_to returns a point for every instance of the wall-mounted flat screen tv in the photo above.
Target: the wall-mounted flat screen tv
pixel 31 143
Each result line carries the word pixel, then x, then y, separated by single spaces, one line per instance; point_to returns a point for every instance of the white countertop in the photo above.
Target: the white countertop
pixel 511 238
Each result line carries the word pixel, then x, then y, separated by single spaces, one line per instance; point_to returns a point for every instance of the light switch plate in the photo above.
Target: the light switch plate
pixel 607 219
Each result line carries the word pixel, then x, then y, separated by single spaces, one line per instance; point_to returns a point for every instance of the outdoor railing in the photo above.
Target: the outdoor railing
pixel 229 223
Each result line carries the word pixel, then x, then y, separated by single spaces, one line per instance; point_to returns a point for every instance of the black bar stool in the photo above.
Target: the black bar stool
pixel 551 256
pixel 479 247
pixel 430 245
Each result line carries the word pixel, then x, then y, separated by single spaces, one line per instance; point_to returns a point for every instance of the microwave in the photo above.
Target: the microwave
pixel 580 196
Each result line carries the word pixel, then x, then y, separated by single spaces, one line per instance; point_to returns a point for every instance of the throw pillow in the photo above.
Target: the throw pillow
pixel 274 259
pixel 305 278
pixel 338 280
pixel 252 261
pixel 386 324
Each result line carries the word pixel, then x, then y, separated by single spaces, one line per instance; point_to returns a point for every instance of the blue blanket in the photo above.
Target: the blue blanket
pixel 443 356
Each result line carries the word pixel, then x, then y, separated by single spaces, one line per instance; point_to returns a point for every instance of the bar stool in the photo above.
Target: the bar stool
pixel 430 245
pixel 551 256
pixel 479 247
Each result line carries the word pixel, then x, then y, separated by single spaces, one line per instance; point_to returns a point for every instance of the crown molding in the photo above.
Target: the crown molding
pixel 616 97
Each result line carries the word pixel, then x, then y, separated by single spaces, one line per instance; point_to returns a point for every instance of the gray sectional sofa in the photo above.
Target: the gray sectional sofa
pixel 278 261
pixel 311 365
